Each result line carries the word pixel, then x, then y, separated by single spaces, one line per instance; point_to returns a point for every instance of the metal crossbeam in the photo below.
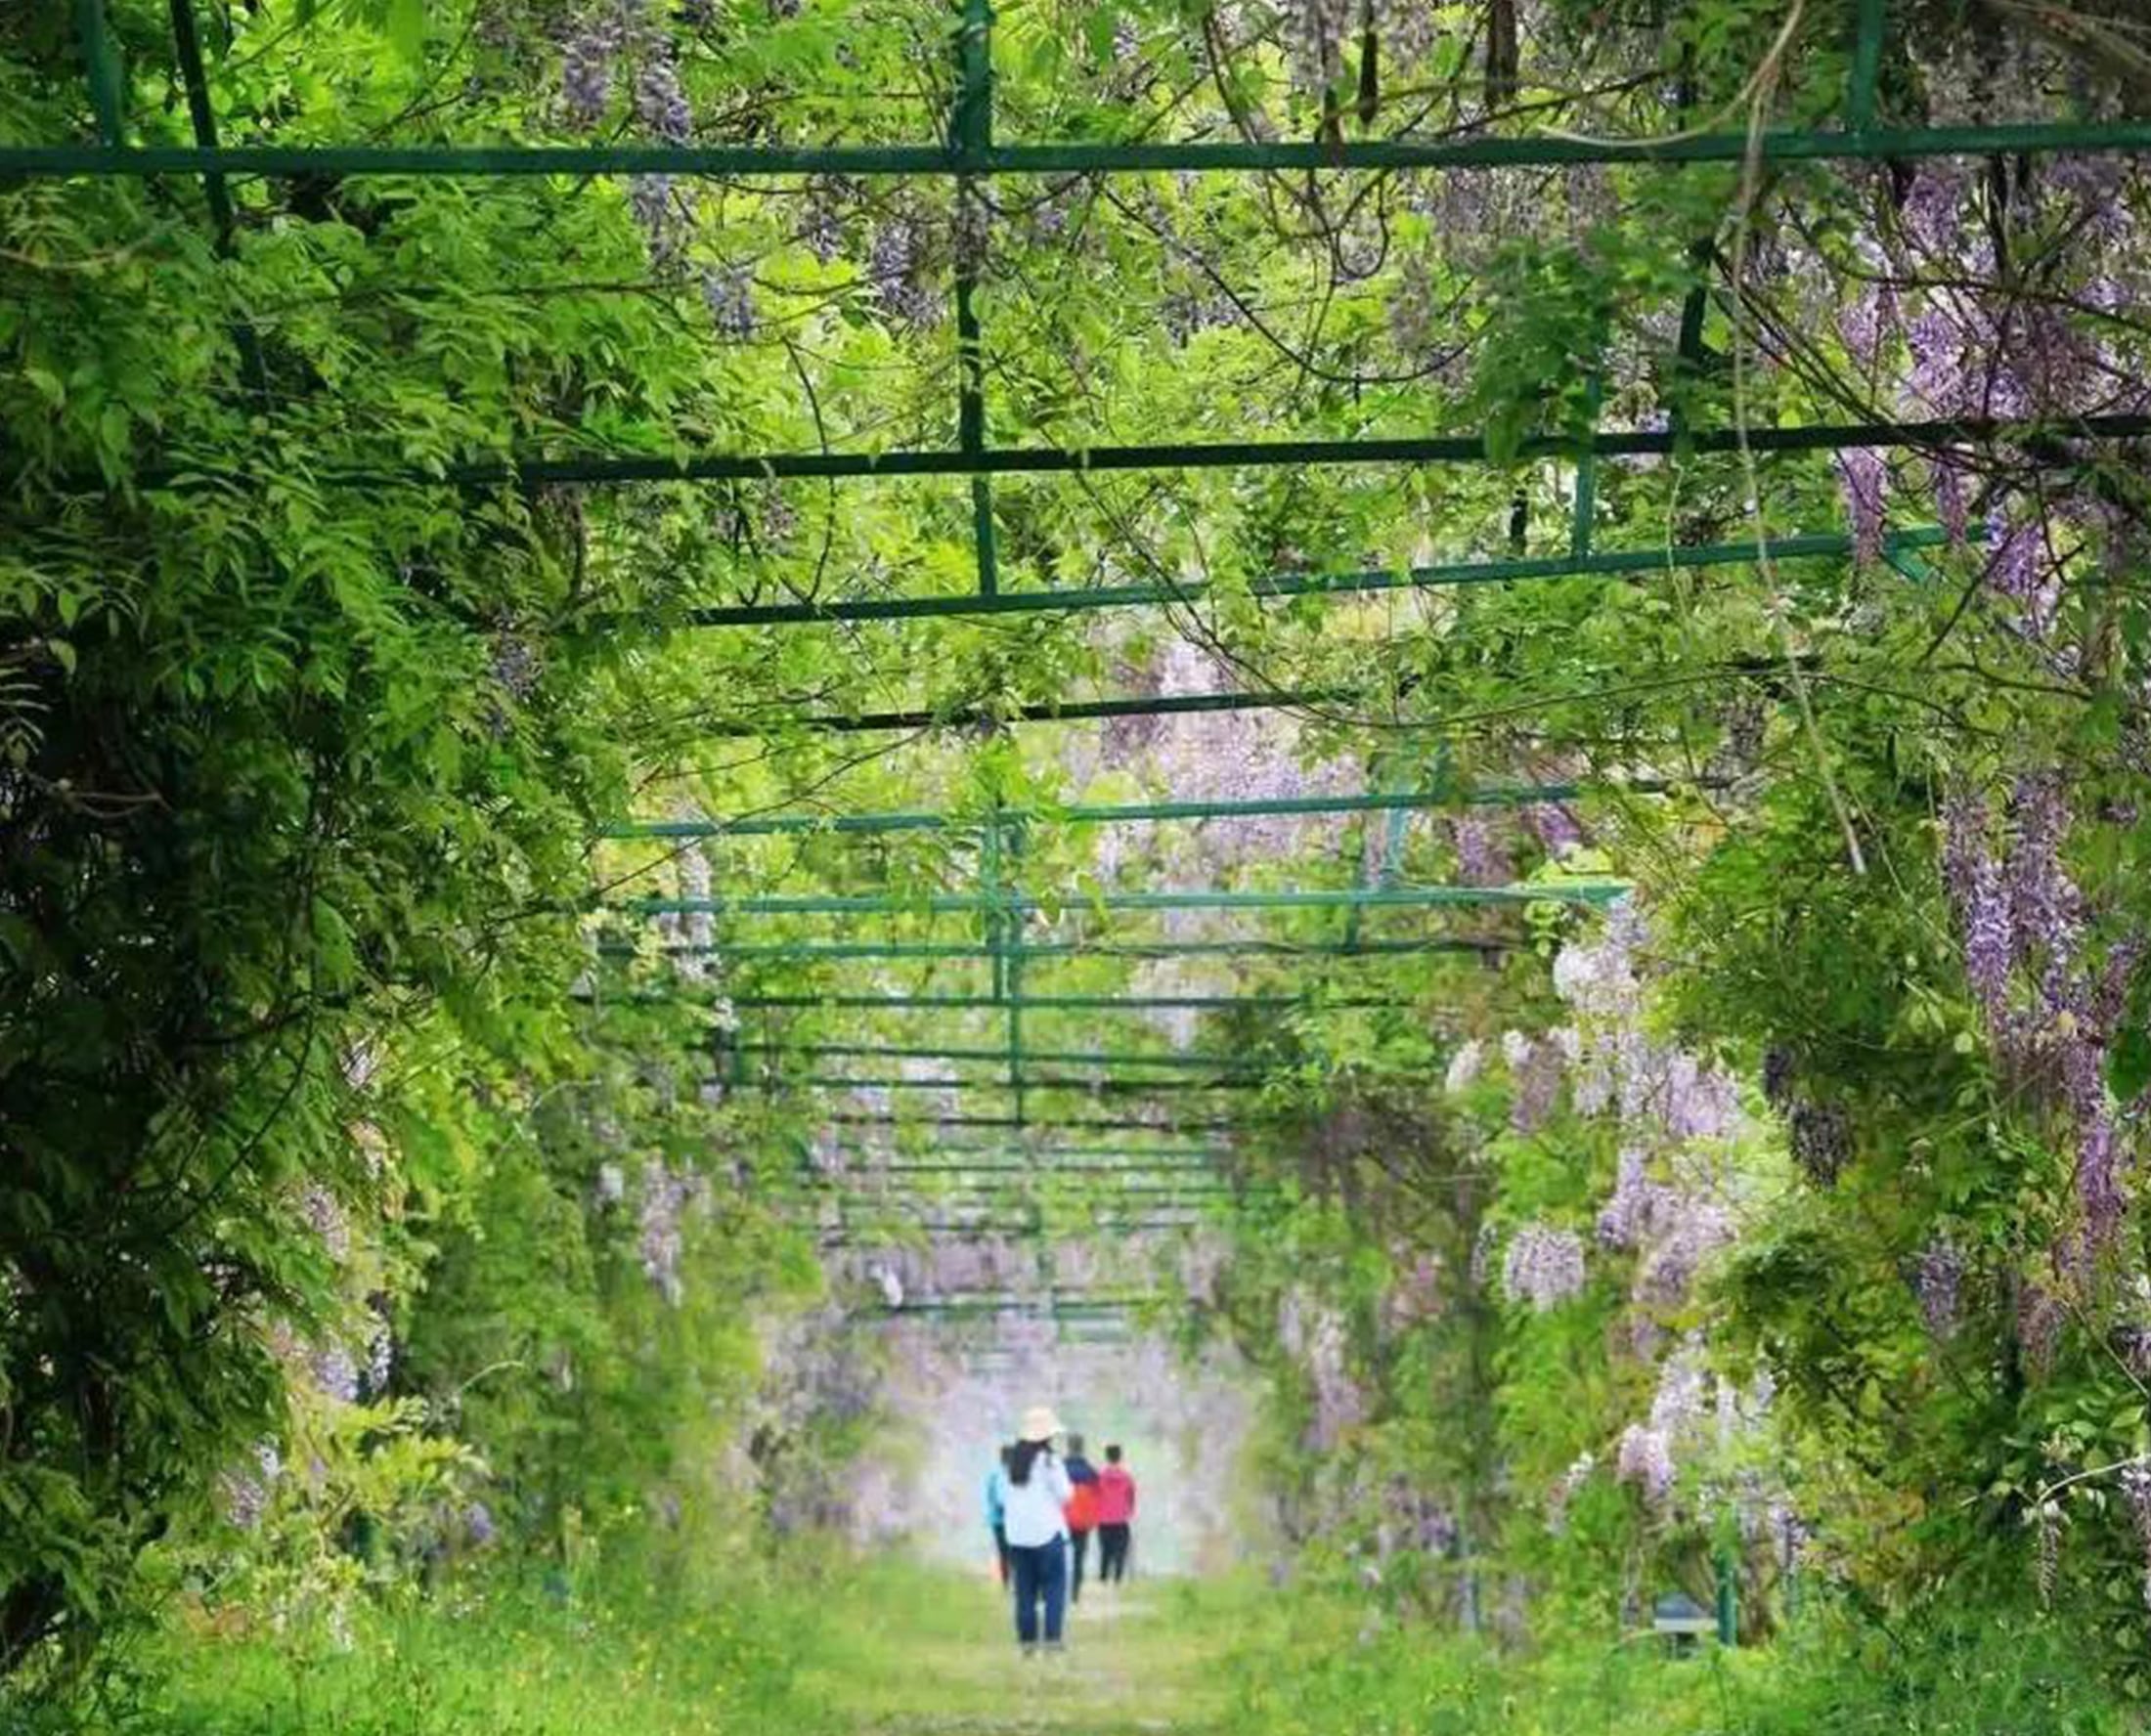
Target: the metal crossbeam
pixel 858 162
pixel 1050 1003
pixel 1074 710
pixel 1052 1058
pixel 1578 892
pixel 1084 1123
pixel 804 950
pixel 1136 812
pixel 1030 1082
pixel 1578 563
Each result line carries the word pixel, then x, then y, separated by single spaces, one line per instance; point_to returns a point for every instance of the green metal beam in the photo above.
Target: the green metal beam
pixel 1578 563
pixel 971 716
pixel 1780 145
pixel 1032 1082
pixel 101 62
pixel 528 471
pixel 1866 65
pixel 1085 1123
pixel 802 950
pixel 1061 1058
pixel 1050 1003
pixel 1134 813
pixel 1425 897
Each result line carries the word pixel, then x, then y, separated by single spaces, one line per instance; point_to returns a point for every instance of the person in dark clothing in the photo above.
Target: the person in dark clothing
pixel 1115 1518
pixel 1083 1511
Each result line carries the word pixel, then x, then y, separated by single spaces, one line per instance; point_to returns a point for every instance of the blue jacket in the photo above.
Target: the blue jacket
pixel 993 1505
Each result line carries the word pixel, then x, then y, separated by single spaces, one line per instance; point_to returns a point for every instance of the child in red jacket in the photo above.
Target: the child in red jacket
pixel 1116 1507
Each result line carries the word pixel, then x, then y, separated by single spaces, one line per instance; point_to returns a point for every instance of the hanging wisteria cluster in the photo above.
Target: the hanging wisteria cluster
pixel 2051 993
pixel 1543 1265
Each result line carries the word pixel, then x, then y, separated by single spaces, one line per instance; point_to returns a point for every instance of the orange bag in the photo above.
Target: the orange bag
pixel 1081 1511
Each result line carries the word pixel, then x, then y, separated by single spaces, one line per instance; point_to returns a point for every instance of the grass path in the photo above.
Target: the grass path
pixel 912 1652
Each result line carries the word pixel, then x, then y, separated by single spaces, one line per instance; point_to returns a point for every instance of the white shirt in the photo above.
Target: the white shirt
pixel 1031 1512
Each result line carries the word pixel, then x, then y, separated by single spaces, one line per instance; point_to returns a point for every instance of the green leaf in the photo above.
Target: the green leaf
pixel 2129 1070
pixel 407 28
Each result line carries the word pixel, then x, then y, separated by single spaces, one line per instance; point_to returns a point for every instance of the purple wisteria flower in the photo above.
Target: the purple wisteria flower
pixel 1544 1266
pixel 1938 1281
pixel 1865 476
pixel 727 292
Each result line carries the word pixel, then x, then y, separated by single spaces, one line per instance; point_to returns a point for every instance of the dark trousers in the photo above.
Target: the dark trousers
pixel 1112 1543
pixel 1042 1579
pixel 1000 1550
pixel 1079 1553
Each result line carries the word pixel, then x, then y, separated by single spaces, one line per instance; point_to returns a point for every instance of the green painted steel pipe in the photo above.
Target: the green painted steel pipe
pixel 1028 1082
pixel 1032 1123
pixel 1610 563
pixel 531 471
pixel 1080 711
pixel 1785 144
pixel 803 950
pixel 900 1003
pixel 1060 1058
pixel 1582 891
pixel 1131 812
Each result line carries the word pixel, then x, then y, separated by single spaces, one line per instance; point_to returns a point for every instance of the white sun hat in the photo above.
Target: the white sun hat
pixel 1039 1424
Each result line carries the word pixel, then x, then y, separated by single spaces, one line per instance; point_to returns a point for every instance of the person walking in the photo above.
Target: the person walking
pixel 997 1510
pixel 1082 1512
pixel 1035 1498
pixel 1115 1518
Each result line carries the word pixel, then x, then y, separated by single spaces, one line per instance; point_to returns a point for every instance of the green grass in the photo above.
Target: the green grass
pixel 889 1648
pixel 905 1650
pixel 500 1659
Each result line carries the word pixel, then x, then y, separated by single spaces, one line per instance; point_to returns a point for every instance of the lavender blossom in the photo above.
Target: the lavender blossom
pixel 1864 477
pixel 2136 1489
pixel 1544 1267
pixel 821 224
pixel 1952 499
pixel 1938 1281
pixel 2044 902
pixel 324 1215
pixel 244 1493
pixel 893 265
pixel 1465 1066
pixel 1535 1080
pixel 2040 1317
pixel 587 80
pixel 1822 1141
pixel 1646 1460
pixel 1989 939
pixel 1482 858
pixel 659 103
pixel 337 1373
pixel 727 292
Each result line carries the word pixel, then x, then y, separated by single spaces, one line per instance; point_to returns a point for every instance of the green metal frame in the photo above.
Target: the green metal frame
pixel 1133 812
pixel 968 156
pixel 1421 897
pixel 1578 563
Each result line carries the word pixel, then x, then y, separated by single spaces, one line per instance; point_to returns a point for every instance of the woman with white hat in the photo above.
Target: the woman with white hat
pixel 1035 1490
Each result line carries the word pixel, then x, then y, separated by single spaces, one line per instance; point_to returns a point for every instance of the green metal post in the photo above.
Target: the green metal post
pixel 971 138
pixel 1587 486
pixel 101 62
pixel 194 76
pixel 1866 65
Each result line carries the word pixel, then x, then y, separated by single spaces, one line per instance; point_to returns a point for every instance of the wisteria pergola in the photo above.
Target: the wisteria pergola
pixel 1034 1099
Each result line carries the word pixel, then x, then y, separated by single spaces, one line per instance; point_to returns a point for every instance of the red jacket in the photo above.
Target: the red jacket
pixel 1115 1496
